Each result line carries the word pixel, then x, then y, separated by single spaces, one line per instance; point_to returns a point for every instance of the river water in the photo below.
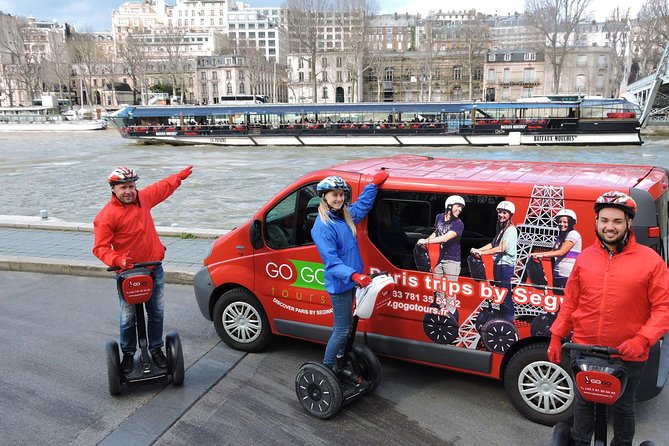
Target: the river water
pixel 66 173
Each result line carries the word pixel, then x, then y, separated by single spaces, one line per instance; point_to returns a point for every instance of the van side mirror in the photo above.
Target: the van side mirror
pixel 256 234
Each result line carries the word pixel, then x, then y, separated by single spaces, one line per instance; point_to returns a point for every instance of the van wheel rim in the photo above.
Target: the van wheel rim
pixel 545 387
pixel 242 322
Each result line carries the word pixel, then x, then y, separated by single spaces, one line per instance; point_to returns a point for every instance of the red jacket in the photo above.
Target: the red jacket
pixel 128 230
pixel 609 300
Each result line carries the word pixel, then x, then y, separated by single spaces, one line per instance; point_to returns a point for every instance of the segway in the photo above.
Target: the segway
pixel 136 287
pixel 321 390
pixel 599 380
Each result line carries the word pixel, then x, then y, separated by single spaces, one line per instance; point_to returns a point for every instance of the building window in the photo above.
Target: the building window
pixel 506 93
pixel 528 75
pixel 530 56
pixel 325 76
pixel 324 62
pixel 581 81
pixel 581 60
pixel 214 75
pixel 203 75
pixel 242 89
pixel 339 77
pixel 491 57
pixel 300 76
pixel 600 81
pixel 491 75
pixel 457 73
pixel 601 62
pixel 507 75
pixel 507 57
pixel 228 88
pixel 339 62
pixel 325 92
pixel 388 75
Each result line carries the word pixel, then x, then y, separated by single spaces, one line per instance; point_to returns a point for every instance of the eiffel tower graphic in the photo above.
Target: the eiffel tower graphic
pixel 539 230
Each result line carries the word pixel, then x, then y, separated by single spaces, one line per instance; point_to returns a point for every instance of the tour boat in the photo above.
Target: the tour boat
pixel 534 121
pixel 43 119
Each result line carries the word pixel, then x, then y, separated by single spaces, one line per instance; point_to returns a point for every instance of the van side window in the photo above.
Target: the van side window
pixel 289 222
pixel 399 219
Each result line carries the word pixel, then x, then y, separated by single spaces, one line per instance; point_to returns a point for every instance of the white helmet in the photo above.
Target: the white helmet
pixel 454 199
pixel 566 213
pixel 507 206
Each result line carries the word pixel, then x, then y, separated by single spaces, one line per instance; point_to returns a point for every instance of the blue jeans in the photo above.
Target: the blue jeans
pixel 622 410
pixel 154 316
pixel 503 275
pixel 342 307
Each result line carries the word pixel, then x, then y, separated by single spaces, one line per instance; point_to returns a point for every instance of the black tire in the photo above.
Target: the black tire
pixel 561 435
pixel 441 329
pixel 175 358
pixel 318 390
pixel 540 390
pixel 369 367
pixel 498 335
pixel 113 368
pixel 541 325
pixel 241 321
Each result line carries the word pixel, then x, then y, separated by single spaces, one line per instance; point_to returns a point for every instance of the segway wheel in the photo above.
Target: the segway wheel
pixel 175 358
pixel 561 435
pixel 113 368
pixel 369 367
pixel 498 335
pixel 318 390
pixel 483 316
pixel 441 329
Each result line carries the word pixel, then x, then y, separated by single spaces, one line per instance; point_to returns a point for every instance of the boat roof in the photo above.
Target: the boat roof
pixel 141 111
pixel 425 169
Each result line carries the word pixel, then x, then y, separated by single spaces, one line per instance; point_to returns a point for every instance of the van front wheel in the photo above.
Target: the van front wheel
pixel 241 322
pixel 540 390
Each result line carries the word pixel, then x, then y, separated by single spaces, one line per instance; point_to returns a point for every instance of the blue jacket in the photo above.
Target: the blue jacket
pixel 337 245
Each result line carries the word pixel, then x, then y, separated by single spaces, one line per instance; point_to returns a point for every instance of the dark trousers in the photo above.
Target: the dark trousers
pixel 623 412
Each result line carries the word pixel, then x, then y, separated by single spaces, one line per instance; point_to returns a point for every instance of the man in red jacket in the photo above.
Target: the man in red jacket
pixel 125 234
pixel 616 296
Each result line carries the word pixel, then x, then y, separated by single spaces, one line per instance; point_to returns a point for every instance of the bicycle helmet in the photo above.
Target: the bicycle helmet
pixel 616 199
pixel 122 174
pixel 566 213
pixel 507 206
pixel 332 183
pixel 454 199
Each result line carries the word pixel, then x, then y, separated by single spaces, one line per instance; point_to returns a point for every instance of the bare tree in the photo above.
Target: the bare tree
pixel 475 38
pixel 354 20
pixel 558 20
pixel 429 50
pixel 171 49
pixel 24 65
pixel 90 61
pixel 306 21
pixel 617 28
pixel 57 64
pixel 135 56
pixel 653 34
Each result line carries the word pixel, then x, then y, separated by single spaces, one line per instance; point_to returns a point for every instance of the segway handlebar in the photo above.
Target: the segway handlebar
pixel 136 265
pixel 593 350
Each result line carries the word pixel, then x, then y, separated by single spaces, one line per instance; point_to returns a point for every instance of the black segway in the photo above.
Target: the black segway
pixel 322 391
pixel 600 380
pixel 136 287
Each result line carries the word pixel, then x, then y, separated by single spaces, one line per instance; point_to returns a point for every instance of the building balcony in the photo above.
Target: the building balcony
pixel 518 83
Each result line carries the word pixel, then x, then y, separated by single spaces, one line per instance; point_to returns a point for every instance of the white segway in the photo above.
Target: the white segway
pixel 319 389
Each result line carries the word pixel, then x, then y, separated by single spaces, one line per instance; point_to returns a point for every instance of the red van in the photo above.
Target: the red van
pixel 266 276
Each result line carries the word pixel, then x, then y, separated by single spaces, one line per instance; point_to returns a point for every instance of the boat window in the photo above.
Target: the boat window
pixel 400 219
pixel 289 222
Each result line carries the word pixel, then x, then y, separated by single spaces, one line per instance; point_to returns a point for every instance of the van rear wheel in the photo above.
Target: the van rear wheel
pixel 241 321
pixel 540 390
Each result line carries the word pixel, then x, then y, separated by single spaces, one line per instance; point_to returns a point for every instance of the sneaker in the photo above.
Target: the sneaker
pixel 159 358
pixel 127 362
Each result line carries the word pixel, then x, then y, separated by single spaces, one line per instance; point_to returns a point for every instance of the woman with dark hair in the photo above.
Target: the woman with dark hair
pixel 567 247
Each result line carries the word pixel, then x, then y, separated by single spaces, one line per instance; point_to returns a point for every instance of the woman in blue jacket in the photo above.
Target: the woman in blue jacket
pixel 334 234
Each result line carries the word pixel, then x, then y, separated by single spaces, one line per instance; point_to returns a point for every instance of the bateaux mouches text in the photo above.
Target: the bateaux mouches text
pixel 291 277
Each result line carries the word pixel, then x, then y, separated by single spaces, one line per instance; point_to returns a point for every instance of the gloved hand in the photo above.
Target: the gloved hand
pixel 380 177
pixel 127 262
pixel 633 348
pixel 185 173
pixel 555 349
pixel 361 279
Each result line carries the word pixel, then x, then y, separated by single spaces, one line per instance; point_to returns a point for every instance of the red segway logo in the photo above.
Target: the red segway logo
pixel 598 387
pixel 137 289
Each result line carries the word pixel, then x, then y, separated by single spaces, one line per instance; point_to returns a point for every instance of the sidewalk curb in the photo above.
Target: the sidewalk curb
pixel 56 224
pixel 79 268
